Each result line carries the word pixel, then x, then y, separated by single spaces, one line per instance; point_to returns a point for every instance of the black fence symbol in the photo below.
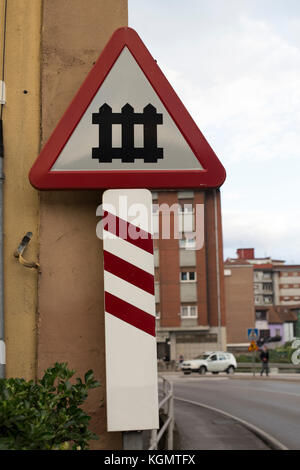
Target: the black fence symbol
pixel 105 153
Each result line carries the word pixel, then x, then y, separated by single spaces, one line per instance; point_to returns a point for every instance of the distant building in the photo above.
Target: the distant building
pixel 189 282
pixel 276 296
pixel 239 301
pixel 286 280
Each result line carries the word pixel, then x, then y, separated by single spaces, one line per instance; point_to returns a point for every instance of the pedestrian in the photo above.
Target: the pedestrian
pixel 264 356
pixel 181 358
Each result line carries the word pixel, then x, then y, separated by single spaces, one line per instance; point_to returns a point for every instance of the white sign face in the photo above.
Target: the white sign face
pixel 126 127
pixel 131 358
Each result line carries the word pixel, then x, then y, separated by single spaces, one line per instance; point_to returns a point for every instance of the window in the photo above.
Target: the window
pixel 157 311
pixel 155 218
pixel 277 332
pixel 155 207
pixel 187 243
pixel 267 286
pixel 261 315
pixel 189 311
pixel 188 276
pixel 186 215
pixel 267 276
pixel 186 207
pixel 265 334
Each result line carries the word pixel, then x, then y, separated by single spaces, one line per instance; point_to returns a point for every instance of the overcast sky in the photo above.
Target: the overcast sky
pixel 235 64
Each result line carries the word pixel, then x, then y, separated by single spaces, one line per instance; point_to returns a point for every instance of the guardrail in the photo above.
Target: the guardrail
pixel 277 365
pixel 167 405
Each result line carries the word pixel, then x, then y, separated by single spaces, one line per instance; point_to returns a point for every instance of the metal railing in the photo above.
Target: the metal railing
pixel 167 405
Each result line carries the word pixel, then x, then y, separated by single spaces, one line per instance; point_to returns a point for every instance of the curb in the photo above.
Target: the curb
pixel 271 441
pixel 268 379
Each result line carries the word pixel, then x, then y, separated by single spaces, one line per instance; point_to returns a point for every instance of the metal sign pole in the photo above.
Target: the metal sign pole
pixel 253 362
pixel 132 440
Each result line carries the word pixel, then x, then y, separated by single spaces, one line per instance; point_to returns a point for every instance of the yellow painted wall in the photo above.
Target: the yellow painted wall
pixel 21 121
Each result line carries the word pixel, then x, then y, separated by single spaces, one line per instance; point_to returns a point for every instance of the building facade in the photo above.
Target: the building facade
pixel 189 285
pixel 240 309
pixel 276 295
pixel 286 280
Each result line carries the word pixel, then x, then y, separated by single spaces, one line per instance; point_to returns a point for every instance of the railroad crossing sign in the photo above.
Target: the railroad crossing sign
pixel 126 128
pixel 253 334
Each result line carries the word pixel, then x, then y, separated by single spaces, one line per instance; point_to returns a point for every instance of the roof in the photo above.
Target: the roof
pixel 286 314
pixel 263 266
pixel 237 262
pixel 294 307
pixel 288 267
pixel 273 316
pixel 279 313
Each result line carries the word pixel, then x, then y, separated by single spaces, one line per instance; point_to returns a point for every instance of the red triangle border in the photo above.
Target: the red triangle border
pixel 213 174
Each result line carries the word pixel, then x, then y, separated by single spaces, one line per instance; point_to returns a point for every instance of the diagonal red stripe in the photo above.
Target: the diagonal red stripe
pixel 127 271
pixel 129 232
pixel 130 314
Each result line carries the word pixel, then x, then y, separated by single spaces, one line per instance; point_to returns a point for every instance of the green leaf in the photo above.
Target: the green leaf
pixel 46 414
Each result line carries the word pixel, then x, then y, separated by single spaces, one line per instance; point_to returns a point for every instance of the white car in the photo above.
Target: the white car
pixel 214 362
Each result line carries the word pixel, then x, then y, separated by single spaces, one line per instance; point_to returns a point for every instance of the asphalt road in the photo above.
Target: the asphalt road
pixel 273 406
pixel 198 428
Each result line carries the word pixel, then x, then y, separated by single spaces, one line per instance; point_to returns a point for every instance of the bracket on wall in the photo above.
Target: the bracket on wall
pixel 20 250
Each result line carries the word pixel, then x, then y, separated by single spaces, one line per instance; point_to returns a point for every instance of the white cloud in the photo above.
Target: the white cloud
pixel 251 107
pixel 236 66
pixel 270 235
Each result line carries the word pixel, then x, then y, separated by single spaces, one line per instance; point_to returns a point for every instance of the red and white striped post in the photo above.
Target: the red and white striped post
pixel 130 343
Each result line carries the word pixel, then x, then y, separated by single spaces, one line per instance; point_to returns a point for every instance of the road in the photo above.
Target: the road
pixel 273 406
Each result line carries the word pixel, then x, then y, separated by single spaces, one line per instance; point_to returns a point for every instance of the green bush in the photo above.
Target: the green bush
pixel 45 414
pixel 280 355
pixel 247 357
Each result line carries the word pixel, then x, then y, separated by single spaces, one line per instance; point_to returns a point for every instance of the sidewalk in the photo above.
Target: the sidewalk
pixel 203 429
pixel 236 375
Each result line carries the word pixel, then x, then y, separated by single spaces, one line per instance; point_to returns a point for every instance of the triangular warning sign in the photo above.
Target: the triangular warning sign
pixel 126 128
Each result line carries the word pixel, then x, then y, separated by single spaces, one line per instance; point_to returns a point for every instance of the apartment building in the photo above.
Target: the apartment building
pixel 286 280
pixel 189 281
pixel 276 295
